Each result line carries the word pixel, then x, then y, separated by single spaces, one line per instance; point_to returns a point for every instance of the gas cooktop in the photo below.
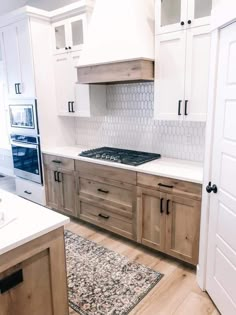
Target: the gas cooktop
pixel 122 156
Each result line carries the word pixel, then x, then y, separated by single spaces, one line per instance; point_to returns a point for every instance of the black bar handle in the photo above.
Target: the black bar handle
pixel 16 88
pixel 69 108
pixel 103 190
pixel 179 107
pixel 167 207
pixel 11 281
pixel 28 192
pixel 55 176
pixel 58 177
pixel 72 107
pixel 56 161
pixel 166 186
pixel 104 216
pixel 161 205
pixel 186 108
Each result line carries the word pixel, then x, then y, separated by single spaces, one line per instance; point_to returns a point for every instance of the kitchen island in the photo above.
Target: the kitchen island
pixel 32 259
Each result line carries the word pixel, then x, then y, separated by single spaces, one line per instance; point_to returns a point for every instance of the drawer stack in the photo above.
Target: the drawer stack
pixel 107 197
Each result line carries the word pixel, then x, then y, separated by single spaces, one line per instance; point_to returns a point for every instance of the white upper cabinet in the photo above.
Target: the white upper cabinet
pixel 17 55
pixel 181 14
pixel 68 34
pixel 182 74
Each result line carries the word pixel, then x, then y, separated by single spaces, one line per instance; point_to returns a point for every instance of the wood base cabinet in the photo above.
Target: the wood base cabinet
pixel 169 224
pixel 33 278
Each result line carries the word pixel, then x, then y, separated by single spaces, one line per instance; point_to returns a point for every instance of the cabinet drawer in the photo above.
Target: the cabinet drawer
pixel 169 185
pixel 54 161
pixel 111 173
pixel 31 191
pixel 109 194
pixel 106 219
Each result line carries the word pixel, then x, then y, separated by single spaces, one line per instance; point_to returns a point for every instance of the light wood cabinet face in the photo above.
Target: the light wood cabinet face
pixel 151 218
pixel 33 295
pixel 52 188
pixel 182 228
pixel 67 192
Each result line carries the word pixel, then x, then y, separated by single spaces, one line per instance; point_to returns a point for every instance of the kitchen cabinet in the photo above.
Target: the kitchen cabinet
pixel 69 34
pixel 17 55
pixel 33 277
pixel 179 15
pixel 60 184
pixel 169 216
pixel 182 67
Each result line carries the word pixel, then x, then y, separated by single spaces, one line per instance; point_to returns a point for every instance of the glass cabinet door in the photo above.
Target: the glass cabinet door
pixel 76 32
pixel 170 12
pixel 202 8
pixel 60 37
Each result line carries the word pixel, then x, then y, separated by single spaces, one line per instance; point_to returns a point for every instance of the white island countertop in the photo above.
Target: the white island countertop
pixel 167 167
pixel 31 221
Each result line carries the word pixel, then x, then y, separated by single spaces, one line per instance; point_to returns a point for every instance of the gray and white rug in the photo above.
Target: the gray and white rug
pixel 102 282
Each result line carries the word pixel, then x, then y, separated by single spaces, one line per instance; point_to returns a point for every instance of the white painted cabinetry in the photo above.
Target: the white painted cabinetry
pixel 182 56
pixel 181 14
pixel 17 54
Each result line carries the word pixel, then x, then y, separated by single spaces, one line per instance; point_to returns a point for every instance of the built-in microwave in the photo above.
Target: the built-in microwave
pixel 23 117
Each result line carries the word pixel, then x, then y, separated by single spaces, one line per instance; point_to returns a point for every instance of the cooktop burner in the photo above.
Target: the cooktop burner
pixel 122 156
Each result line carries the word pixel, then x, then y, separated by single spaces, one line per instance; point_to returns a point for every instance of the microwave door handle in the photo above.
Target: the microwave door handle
pixel 25 145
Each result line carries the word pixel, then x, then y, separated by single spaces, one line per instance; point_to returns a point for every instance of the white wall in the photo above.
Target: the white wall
pixel 9 5
pixel 223 11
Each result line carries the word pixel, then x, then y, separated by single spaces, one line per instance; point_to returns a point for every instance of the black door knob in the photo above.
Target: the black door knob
pixel 212 188
pixel 189 21
pixel 182 23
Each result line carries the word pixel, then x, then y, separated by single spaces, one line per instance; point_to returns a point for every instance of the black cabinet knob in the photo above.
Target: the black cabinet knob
pixel 182 23
pixel 212 188
pixel 69 47
pixel 66 48
pixel 189 21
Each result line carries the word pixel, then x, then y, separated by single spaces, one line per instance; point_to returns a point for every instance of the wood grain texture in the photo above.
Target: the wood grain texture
pixel 177 293
pixel 187 189
pixel 59 162
pixel 121 71
pixel 44 286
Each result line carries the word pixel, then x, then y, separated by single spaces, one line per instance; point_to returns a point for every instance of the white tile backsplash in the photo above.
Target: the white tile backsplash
pixel 129 124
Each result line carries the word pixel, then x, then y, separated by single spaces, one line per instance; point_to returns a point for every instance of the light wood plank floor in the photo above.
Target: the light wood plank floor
pixel 176 294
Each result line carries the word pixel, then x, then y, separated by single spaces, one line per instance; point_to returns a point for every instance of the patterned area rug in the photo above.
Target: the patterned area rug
pixel 102 282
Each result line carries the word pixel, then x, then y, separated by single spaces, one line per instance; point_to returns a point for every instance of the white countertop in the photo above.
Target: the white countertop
pixel 31 221
pixel 167 167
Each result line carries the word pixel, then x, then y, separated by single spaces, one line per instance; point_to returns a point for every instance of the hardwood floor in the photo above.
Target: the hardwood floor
pixel 176 294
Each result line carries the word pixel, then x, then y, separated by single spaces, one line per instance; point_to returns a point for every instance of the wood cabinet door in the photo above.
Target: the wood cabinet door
pixel 182 228
pixel 170 76
pixel 33 293
pixel 52 188
pixel 151 218
pixel 67 192
pixel 197 73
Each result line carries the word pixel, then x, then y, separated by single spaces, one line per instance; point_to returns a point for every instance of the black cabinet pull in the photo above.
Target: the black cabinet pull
pixel 28 192
pixel 72 107
pixel 59 174
pixel 212 188
pixel 186 108
pixel 11 281
pixel 69 107
pixel 17 88
pixel 55 176
pixel 69 47
pixel 161 205
pixel 104 216
pixel 166 186
pixel 103 191
pixel 66 48
pixel 56 161
pixel 167 207
pixel 189 21
pixel 179 107
pixel 182 23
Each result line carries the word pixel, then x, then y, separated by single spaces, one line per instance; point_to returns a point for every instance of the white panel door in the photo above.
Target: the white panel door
pixel 197 73
pixel 221 263
pixel 199 13
pixel 170 74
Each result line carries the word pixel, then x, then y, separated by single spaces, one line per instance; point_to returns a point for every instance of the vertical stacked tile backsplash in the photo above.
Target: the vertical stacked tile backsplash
pixel 129 124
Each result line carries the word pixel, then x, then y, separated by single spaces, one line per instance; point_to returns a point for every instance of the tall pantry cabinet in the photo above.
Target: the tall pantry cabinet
pixel 183 41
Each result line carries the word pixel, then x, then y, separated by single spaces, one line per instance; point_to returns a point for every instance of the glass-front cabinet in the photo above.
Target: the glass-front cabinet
pixel 176 15
pixel 68 34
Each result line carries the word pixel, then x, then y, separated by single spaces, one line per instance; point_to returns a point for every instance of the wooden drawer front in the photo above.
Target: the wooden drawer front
pixel 108 172
pixel 106 219
pixel 116 196
pixel 174 186
pixel 54 161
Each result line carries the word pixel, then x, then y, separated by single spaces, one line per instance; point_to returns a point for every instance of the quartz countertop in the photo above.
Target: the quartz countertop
pixel 31 221
pixel 166 167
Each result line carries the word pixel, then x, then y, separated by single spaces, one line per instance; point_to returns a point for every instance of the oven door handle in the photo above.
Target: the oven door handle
pixel 25 145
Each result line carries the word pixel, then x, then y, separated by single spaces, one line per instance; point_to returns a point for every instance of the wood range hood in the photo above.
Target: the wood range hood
pixel 119 47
